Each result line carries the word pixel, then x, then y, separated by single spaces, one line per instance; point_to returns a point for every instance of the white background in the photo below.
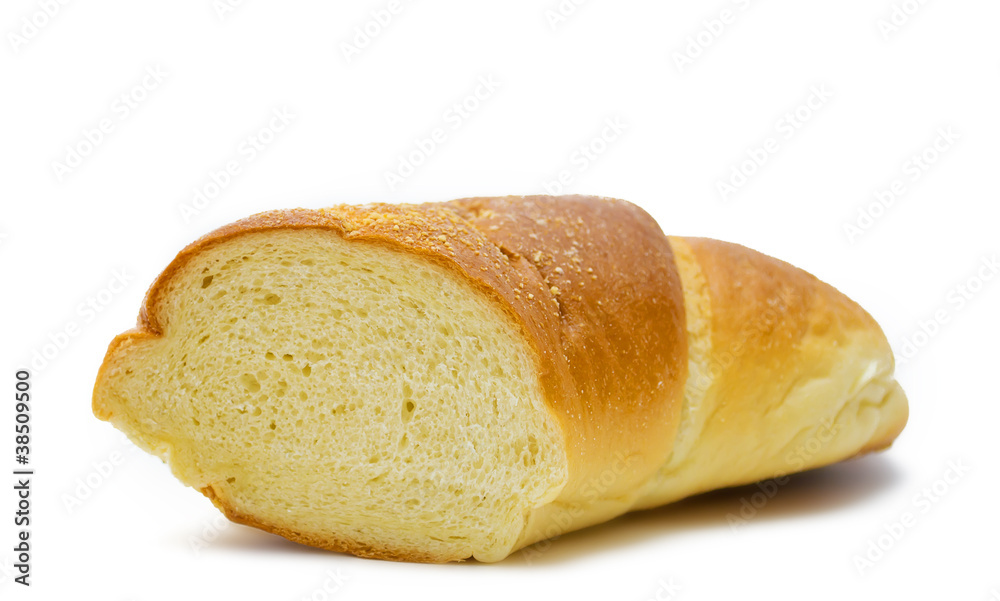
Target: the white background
pixel 138 534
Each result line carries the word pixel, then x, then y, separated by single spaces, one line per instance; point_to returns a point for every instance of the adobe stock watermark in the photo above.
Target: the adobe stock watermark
pixel 561 12
pixel 912 170
pixel 122 107
pixel 592 491
pixel 899 16
pixel 101 472
pixel 31 26
pixel 224 8
pixel 797 460
pixel 210 532
pixel 333 582
pixel 955 300
pixel 666 590
pixel 365 33
pixel 7 571
pixel 750 333
pixel 581 159
pixel 712 28
pixel 785 128
pixel 452 119
pixel 921 503
pixel 85 313
pixel 247 151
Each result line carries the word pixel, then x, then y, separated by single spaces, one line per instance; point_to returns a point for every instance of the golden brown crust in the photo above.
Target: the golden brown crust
pixel 338 545
pixel 750 284
pixel 609 270
pixel 606 325
pixel 594 286
pixel 797 375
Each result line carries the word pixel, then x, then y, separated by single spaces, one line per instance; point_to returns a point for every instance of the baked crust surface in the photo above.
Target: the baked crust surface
pixel 595 288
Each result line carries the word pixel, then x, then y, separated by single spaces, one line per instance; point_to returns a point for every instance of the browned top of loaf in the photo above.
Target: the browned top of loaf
pixel 591 281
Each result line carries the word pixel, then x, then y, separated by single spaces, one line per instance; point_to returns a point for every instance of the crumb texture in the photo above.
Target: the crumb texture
pixel 450 380
pixel 343 391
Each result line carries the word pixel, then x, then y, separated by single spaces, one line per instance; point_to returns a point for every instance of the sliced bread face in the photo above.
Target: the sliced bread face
pixel 342 393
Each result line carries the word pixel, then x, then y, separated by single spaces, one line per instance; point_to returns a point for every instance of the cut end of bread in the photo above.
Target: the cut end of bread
pixel 451 380
pixel 345 394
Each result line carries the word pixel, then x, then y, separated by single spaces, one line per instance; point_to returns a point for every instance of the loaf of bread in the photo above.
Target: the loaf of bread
pixel 450 380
